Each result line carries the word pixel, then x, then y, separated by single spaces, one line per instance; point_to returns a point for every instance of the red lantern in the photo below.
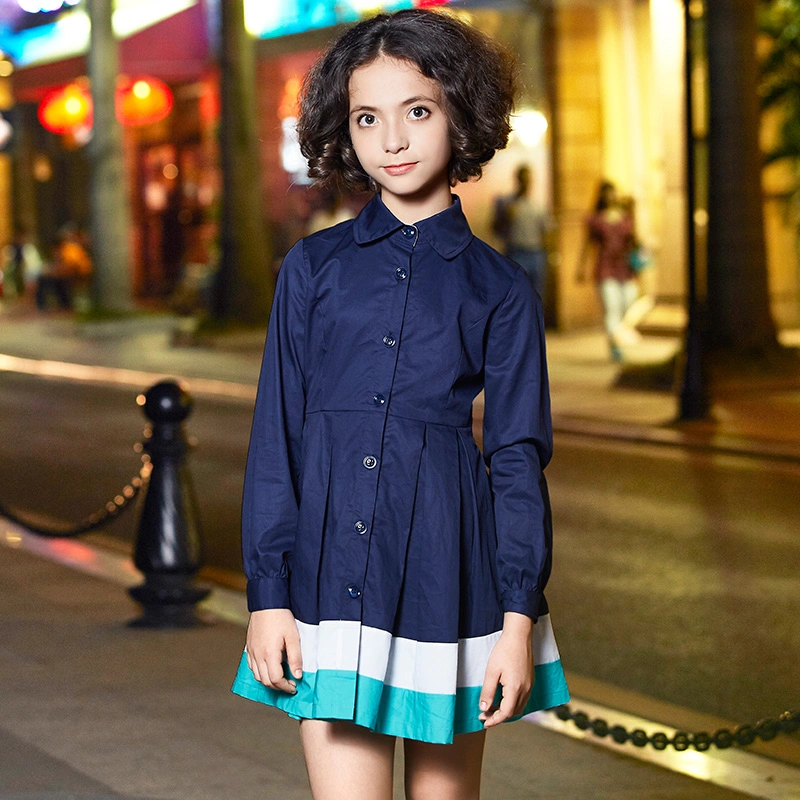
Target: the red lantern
pixel 142 101
pixel 66 110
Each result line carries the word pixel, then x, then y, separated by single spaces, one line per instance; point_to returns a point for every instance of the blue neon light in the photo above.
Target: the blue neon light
pixel 270 20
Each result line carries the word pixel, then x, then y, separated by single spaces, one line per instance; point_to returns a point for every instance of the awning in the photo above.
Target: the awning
pixel 174 49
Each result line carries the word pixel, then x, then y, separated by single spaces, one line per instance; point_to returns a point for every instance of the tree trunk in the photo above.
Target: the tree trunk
pixel 738 290
pixel 110 211
pixel 244 284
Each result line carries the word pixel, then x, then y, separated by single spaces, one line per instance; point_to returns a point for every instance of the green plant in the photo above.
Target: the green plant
pixel 779 25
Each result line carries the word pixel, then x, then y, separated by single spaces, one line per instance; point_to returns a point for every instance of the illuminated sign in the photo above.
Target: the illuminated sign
pixel 267 20
pixel 69 34
pixel 44 6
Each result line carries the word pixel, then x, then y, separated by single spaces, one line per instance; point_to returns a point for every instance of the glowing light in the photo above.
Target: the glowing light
pixel 42 168
pixel 260 16
pixel 69 34
pixel 529 126
pixel 141 89
pixel 13 539
pixel 6 132
pixel 39 6
pixel 267 19
pixel 67 109
pixel 292 159
pixel 71 551
pixel 290 102
pixel 142 101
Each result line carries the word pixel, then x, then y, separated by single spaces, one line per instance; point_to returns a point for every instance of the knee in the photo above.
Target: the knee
pixel 437 789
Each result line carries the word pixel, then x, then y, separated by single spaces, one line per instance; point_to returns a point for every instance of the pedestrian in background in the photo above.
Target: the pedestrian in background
pixel 68 269
pixel 396 587
pixel 610 233
pixel 524 228
pixel 22 262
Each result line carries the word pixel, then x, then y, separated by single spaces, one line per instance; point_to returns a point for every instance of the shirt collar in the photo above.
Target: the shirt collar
pixel 448 232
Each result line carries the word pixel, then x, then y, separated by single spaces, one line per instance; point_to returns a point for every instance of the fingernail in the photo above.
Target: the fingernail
pixel 484 705
pixel 298 673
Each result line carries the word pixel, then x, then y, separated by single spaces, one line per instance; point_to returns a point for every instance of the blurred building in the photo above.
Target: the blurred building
pixel 603 98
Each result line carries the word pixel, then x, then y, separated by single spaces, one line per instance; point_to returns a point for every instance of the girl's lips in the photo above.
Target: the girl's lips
pixel 400 169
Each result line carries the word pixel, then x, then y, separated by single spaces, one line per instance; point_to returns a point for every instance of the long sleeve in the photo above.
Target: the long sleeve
pixel 271 486
pixel 518 443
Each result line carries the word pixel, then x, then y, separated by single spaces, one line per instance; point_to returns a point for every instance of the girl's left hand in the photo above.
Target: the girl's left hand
pixel 510 666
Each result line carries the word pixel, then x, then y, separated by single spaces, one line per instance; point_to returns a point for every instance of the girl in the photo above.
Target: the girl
pixel 393 584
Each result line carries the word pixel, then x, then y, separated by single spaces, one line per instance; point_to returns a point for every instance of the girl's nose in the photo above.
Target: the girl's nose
pixel 395 139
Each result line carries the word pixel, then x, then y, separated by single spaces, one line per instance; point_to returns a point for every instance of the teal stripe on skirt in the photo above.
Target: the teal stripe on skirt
pixel 436 718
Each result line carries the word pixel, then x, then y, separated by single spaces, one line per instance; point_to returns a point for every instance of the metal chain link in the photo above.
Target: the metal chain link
pixel 111 510
pixel 743 735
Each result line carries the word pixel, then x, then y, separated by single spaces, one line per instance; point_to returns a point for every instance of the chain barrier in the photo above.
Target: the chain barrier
pixel 742 736
pixel 167 547
pixel 111 510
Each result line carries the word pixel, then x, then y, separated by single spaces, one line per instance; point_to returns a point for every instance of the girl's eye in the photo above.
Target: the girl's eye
pixel 419 112
pixel 366 120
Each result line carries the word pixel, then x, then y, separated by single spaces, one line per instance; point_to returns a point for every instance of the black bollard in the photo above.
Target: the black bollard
pixel 168 541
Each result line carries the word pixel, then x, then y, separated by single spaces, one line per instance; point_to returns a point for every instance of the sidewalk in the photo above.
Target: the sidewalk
pixel 94 710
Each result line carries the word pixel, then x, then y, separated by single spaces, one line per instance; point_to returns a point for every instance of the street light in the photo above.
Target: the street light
pixel 694 398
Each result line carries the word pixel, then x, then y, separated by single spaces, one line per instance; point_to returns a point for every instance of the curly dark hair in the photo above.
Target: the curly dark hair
pixel 477 76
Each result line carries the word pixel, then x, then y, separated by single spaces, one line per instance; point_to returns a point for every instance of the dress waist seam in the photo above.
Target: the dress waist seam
pixel 467 425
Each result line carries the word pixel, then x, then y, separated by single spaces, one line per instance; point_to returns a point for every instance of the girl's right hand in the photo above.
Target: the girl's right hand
pixel 271 633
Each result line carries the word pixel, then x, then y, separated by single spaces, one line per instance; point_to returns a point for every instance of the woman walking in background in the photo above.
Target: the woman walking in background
pixel 610 229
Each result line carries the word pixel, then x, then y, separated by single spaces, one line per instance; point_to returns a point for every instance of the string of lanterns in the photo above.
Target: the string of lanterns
pixel 138 101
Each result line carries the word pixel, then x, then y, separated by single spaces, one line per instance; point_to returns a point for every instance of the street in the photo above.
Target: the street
pixel 675 570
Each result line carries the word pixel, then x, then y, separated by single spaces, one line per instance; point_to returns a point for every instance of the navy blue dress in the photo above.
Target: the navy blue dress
pixel 368 508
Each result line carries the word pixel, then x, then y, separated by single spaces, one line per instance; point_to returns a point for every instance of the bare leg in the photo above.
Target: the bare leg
pixel 347 762
pixel 445 771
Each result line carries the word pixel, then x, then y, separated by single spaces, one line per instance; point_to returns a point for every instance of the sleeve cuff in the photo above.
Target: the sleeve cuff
pixel 267 592
pixel 522 601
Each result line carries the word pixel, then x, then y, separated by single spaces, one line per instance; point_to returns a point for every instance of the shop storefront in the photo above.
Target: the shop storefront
pixel 172 163
pixel 603 89
pixel 171 159
pixel 619 96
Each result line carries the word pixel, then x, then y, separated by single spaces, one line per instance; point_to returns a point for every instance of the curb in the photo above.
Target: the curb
pixel 672 437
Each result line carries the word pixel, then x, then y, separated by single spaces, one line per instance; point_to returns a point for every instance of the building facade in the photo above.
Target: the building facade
pixel 603 98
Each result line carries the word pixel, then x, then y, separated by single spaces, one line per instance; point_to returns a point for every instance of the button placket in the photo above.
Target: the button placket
pixel 362 531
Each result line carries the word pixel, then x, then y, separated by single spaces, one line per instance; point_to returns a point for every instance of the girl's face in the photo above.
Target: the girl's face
pixel 401 135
